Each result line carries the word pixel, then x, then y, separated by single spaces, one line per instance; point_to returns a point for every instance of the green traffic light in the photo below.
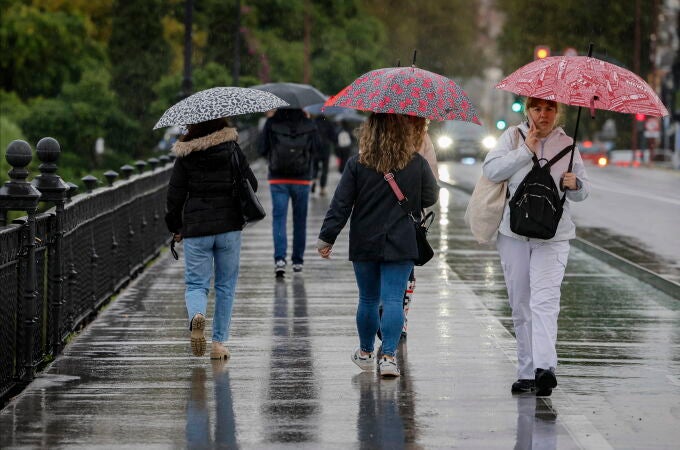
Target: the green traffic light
pixel 501 124
pixel 517 107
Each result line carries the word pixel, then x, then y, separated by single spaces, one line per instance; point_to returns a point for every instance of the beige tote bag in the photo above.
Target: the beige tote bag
pixel 485 209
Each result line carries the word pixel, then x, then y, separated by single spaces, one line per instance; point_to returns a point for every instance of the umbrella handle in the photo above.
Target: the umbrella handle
pixel 592 106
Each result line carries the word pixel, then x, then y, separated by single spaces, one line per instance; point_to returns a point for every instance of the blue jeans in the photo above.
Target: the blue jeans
pixel 203 256
pixel 299 195
pixel 381 281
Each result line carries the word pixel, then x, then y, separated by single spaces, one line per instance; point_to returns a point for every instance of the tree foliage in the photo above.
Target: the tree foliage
pixel 139 56
pixel 80 114
pixel 444 32
pixel 574 23
pixel 43 50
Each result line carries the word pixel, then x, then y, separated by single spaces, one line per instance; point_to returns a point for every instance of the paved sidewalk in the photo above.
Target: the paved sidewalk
pixel 129 379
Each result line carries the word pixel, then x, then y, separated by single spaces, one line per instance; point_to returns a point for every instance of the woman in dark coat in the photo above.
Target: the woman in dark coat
pixel 382 241
pixel 204 211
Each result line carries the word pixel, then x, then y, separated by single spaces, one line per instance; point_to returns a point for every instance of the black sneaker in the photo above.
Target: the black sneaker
pixel 545 382
pixel 522 386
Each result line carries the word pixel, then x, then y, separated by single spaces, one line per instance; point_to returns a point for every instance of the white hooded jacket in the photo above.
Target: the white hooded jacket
pixel 511 160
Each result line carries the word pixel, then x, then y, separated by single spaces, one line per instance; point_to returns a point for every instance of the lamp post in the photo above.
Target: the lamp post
pixel 187 83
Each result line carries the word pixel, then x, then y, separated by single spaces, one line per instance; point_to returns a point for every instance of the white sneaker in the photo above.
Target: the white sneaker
pixel 388 367
pixel 365 362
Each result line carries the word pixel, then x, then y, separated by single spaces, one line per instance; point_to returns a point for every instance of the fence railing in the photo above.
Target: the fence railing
pixel 57 268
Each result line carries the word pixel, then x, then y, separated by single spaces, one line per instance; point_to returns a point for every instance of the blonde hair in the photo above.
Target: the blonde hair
pixel 388 141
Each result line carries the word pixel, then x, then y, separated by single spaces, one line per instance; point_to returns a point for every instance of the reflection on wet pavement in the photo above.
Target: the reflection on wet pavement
pixel 536 423
pixel 292 399
pixel 386 408
pixel 198 432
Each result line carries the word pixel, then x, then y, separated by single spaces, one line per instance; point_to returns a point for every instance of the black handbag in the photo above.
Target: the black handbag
pixel 425 251
pixel 251 208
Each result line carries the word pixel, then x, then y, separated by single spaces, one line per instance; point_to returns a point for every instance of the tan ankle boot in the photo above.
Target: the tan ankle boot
pixel 198 343
pixel 219 351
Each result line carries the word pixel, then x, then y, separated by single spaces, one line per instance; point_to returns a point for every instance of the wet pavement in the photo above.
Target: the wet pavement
pixel 129 379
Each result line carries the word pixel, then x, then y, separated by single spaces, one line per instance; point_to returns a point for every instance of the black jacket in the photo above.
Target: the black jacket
pixel 293 119
pixel 201 199
pixel 379 228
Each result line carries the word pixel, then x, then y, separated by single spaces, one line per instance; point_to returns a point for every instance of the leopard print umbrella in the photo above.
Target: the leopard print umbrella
pixel 218 102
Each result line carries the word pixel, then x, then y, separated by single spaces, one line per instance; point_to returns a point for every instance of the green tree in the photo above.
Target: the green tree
pixel 83 112
pixel 347 41
pixel 445 33
pixel 139 56
pixel 42 50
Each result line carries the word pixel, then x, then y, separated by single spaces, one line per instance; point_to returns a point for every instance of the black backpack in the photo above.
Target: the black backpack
pixel 536 207
pixel 291 148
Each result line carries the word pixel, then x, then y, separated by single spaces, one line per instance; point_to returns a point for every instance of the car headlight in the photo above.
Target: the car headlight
pixel 489 142
pixel 444 141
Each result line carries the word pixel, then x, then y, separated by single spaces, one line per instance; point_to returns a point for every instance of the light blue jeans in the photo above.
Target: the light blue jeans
pixel 204 256
pixel 381 281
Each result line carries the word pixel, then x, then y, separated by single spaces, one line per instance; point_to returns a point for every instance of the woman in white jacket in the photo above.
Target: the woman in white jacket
pixel 534 268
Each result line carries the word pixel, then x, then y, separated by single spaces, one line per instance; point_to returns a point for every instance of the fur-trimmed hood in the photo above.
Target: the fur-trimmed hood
pixel 182 149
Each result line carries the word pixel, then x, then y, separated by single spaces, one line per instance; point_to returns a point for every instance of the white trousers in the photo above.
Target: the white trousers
pixel 533 273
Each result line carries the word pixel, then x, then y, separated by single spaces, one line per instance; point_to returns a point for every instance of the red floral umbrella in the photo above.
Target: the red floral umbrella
pixel 585 81
pixel 407 90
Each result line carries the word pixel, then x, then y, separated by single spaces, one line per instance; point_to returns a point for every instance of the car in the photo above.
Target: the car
pixel 596 153
pixel 462 141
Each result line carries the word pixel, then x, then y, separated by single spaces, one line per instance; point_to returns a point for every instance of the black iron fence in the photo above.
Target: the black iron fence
pixel 57 268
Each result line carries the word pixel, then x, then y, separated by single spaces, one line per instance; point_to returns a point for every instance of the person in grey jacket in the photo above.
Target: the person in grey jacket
pixel 534 268
pixel 382 241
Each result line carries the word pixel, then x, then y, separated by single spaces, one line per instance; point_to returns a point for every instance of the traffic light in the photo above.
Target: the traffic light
pixel 501 124
pixel 517 106
pixel 639 117
pixel 541 51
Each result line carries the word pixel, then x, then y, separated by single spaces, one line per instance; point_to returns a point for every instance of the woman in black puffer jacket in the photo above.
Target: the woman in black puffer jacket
pixel 203 210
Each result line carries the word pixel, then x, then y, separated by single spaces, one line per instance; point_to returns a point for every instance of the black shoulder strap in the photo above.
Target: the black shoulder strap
pixel 560 155
pixel 524 138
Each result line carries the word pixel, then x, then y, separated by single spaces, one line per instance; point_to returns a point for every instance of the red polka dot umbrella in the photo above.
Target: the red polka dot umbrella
pixel 407 90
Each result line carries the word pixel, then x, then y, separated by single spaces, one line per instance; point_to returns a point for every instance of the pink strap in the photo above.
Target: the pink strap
pixel 389 177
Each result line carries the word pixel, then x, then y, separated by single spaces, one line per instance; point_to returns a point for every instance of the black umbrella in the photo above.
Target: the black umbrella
pixel 297 95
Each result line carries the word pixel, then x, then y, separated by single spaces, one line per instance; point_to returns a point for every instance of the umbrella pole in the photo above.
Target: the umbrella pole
pixel 578 119
pixel 573 145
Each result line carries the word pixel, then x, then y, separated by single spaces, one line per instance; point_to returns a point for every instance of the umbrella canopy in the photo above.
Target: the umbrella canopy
pixel 350 115
pixel 318 108
pixel 407 90
pixel 218 102
pixel 297 95
pixel 585 81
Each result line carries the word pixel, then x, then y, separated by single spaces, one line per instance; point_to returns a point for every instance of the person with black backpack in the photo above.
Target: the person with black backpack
pixel 533 238
pixel 290 142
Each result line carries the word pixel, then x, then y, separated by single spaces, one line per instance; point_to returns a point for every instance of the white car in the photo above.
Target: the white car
pixel 460 141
